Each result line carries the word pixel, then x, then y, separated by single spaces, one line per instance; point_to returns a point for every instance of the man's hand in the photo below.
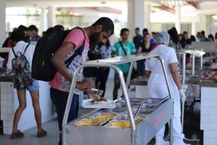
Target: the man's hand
pixel 82 85
pixel 182 95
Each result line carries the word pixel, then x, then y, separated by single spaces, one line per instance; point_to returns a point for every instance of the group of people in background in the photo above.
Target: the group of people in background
pixel 163 43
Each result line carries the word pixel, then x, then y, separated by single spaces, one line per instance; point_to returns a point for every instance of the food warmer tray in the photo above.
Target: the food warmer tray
pixel 155 114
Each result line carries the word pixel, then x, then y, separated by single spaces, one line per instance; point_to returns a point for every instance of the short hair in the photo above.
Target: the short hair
pixel 33 28
pixel 17 36
pixel 124 30
pixel 22 28
pixel 107 24
pixel 145 30
pixel 202 32
pixel 137 28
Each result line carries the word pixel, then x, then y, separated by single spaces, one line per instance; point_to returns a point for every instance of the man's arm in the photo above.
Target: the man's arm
pixel 58 59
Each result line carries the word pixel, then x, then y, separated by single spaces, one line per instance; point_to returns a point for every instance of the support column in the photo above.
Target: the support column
pixel 2 22
pixel 178 19
pixel 139 16
pixel 135 17
pixel 147 20
pixel 193 28
pixel 44 18
pixel 51 16
pixel 130 17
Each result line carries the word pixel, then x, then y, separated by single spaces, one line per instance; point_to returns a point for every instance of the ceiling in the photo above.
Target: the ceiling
pixel 207 7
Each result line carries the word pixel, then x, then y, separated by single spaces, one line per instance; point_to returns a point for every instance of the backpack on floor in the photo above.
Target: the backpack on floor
pixel 42 67
pixel 22 69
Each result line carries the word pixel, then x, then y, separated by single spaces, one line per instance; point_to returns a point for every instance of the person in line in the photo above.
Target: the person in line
pixel 36 36
pixel 60 85
pixel 203 36
pixel 32 31
pixel 157 85
pixel 122 48
pixel 8 44
pixel 137 39
pixel 173 38
pixel 211 38
pixel 145 46
pixel 104 48
pixel 18 40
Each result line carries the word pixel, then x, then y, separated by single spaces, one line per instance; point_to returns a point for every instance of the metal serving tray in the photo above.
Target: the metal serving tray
pixel 109 135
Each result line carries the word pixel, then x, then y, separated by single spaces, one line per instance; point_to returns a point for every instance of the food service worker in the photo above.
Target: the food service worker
pixel 157 87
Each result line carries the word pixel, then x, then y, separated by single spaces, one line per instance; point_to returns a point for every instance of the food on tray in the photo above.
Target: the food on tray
pixel 104 116
pixel 120 124
pixel 98 100
pixel 90 122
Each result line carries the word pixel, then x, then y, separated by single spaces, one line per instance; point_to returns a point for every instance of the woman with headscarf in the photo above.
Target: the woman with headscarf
pixel 157 85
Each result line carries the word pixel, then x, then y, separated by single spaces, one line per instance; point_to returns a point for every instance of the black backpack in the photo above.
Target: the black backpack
pixel 42 68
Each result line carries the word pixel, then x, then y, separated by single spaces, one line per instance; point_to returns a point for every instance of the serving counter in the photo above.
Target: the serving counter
pixel 122 126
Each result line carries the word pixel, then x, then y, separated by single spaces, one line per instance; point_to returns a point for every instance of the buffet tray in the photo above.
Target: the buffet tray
pixel 87 104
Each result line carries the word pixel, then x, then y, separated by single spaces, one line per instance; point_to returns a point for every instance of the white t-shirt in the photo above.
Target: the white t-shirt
pixel 20 46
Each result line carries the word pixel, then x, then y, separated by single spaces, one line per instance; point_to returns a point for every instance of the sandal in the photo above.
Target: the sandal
pixel 17 134
pixel 41 133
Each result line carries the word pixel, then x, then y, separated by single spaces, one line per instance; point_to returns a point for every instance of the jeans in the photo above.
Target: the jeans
pixel 59 99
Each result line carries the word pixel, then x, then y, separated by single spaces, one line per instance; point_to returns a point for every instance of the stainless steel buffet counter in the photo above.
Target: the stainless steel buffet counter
pixel 118 126
pixel 112 126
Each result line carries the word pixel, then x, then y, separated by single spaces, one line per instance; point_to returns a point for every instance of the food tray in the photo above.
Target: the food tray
pixel 87 104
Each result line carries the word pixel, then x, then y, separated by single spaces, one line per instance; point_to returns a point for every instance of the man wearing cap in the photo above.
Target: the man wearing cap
pixel 157 87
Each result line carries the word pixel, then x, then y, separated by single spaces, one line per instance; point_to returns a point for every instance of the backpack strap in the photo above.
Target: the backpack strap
pixel 14 52
pixel 26 48
pixel 78 51
pixel 23 52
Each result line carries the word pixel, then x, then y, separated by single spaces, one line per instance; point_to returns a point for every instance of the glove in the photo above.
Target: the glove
pixel 182 95
pixel 184 88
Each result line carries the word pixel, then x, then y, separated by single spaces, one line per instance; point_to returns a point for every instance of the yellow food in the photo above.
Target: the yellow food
pixel 105 116
pixel 90 122
pixel 85 122
pixel 120 124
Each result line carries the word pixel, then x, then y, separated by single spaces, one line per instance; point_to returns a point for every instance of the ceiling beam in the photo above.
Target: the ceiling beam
pixel 196 5
pixel 166 8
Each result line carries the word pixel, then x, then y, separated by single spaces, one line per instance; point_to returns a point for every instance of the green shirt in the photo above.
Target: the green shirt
pixel 129 48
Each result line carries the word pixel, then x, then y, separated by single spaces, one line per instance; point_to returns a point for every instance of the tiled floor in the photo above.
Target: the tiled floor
pixel 52 128
pixel 31 139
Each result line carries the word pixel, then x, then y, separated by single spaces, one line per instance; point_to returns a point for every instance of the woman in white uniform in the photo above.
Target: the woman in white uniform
pixel 157 87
